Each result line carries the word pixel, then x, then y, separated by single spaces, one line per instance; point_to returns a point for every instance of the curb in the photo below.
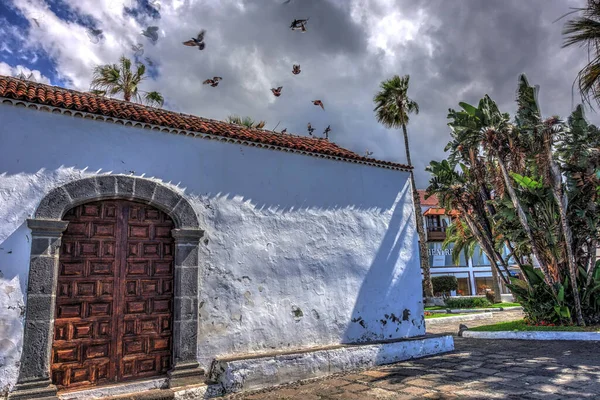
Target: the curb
pixel 474 310
pixel 533 335
pixel 458 318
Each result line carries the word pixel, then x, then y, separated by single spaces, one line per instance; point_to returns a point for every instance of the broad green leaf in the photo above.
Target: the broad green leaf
pixel 468 108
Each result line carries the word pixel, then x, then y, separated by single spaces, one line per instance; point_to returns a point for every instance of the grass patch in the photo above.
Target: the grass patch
pixel 498 305
pixel 521 326
pixel 440 315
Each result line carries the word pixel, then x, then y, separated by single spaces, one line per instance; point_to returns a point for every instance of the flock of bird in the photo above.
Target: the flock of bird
pixel 297 25
pixel 151 32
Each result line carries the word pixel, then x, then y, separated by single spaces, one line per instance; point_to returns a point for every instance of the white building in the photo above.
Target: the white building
pixel 474 274
pixel 143 243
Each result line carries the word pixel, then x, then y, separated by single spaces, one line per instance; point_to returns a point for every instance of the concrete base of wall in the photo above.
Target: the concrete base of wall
pixel 152 389
pixel 252 372
pixel 262 371
pixel 102 392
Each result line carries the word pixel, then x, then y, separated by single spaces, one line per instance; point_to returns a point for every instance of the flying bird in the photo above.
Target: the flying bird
pixel 197 41
pixel 214 82
pixel 286 1
pixel 326 131
pixel 284 130
pixel 155 4
pixel 151 33
pixel 95 35
pixel 299 24
pixel 318 103
pixel 277 92
pixel 310 129
pixel 296 69
pixel 138 49
pixel 26 77
pixel 368 153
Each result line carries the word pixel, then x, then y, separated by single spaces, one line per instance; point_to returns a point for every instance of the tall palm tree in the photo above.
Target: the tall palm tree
pixel 392 106
pixel 584 30
pixel 115 79
pixel 248 122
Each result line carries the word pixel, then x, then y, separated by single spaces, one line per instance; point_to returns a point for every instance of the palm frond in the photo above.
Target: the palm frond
pixel 154 98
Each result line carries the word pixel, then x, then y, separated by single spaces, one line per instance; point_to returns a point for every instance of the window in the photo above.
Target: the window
pixel 483 283
pixel 464 287
pixel 443 258
pixel 433 222
pixel 481 259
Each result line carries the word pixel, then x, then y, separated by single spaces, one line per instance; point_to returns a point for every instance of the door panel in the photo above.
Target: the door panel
pixel 114 295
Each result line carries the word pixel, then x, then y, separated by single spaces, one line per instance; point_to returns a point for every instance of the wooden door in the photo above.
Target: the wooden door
pixel 114 299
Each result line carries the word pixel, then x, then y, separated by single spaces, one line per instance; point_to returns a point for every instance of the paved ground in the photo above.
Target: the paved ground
pixel 477 369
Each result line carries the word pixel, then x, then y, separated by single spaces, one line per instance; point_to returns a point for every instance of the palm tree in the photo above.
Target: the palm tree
pixel 584 31
pixel 115 79
pixel 248 122
pixel 392 107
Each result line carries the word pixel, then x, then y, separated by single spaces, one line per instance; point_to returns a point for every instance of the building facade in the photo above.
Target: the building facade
pixel 474 274
pixel 139 243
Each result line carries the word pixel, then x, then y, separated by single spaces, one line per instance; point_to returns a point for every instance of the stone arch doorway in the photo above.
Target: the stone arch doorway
pixel 43 289
pixel 114 299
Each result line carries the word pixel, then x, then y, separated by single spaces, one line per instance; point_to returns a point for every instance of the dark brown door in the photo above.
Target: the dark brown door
pixel 114 295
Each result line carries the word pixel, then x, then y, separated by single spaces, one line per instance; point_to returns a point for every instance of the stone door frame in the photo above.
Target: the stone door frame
pixel 47 227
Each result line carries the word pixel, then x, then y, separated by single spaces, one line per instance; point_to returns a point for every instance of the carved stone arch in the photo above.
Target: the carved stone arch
pixel 47 227
pixel 60 199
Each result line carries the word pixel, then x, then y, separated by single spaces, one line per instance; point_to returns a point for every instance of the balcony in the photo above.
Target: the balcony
pixel 436 233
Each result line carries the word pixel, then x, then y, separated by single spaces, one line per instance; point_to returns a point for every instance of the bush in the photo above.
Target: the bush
pixel 468 302
pixel 537 299
pixel 443 285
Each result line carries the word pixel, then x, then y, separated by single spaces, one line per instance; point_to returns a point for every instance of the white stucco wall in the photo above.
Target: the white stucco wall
pixel 301 251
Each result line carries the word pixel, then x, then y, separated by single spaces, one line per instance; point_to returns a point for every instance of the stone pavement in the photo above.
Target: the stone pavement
pixel 477 369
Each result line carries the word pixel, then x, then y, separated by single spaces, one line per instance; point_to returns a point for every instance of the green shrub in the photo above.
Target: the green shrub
pixel 537 299
pixel 443 285
pixel 467 302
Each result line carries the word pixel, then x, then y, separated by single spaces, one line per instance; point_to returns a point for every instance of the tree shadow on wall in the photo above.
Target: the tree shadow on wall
pixel 388 306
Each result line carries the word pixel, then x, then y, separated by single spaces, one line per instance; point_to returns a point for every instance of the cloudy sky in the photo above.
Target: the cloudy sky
pixel 454 51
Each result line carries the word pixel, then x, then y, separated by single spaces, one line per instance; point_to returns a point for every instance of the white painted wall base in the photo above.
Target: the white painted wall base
pixel 101 392
pixel 241 374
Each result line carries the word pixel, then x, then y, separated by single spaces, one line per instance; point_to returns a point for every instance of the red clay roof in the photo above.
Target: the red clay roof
pixel 440 211
pixel 38 93
pixel 430 202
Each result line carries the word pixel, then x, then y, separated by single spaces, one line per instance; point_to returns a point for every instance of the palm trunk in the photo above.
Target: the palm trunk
pixel 524 223
pixel 486 246
pixel 496 286
pixel 517 259
pixel 428 286
pixel 561 201
pixel 591 260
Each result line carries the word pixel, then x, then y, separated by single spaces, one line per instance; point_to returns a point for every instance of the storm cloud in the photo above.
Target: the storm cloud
pixel 453 50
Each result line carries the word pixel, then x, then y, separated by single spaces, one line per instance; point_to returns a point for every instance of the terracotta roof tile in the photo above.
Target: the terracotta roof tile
pixel 430 201
pixel 38 93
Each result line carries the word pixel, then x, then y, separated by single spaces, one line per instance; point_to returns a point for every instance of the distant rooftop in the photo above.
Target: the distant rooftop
pixel 429 202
